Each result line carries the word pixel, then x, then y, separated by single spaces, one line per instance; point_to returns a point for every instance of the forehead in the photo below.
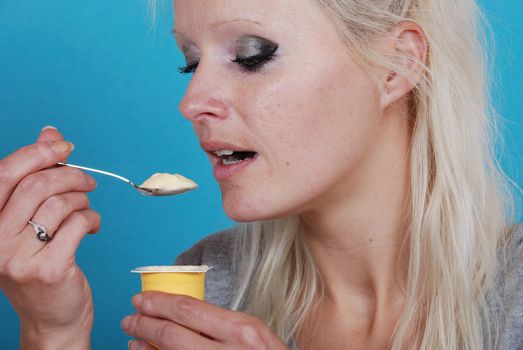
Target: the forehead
pixel 198 15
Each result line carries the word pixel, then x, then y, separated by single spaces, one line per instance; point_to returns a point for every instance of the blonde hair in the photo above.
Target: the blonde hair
pixel 461 208
pixel 459 199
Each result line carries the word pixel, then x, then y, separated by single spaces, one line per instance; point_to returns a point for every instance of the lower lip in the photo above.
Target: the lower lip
pixel 223 172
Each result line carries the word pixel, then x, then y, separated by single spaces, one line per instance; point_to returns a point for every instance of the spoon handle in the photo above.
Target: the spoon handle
pixel 97 171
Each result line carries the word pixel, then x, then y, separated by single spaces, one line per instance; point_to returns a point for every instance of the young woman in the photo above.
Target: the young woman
pixel 354 140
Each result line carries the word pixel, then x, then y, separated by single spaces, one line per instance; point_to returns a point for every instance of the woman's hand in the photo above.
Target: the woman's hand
pixel 41 279
pixel 181 322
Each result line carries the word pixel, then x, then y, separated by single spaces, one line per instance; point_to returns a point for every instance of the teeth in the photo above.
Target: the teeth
pixel 227 161
pixel 224 152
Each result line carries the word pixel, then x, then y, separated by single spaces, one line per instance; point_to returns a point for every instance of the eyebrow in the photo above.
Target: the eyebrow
pixel 220 23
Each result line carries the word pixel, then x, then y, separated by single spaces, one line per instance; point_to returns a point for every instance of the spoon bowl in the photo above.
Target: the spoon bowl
pixel 158 191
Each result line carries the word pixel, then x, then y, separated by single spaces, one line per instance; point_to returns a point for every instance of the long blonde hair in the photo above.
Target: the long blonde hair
pixel 459 200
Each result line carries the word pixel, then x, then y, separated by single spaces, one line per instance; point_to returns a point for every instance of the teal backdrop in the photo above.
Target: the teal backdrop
pixel 99 72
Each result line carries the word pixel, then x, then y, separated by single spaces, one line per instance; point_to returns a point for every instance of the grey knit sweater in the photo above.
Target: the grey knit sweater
pixel 215 250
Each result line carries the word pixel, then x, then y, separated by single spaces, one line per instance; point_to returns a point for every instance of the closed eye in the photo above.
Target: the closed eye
pixel 253 63
pixel 249 64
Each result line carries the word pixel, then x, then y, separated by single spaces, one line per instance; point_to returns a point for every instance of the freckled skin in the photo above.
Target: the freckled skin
pixel 311 113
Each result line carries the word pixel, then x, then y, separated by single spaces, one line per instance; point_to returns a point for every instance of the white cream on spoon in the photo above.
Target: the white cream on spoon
pixel 162 184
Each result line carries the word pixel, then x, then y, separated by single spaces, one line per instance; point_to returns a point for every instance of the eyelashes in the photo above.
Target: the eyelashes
pixel 188 69
pixel 249 64
pixel 253 63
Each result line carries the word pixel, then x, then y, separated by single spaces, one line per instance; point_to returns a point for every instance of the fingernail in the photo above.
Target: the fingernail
pixel 126 321
pixel 138 300
pixel 133 345
pixel 91 180
pixel 48 127
pixel 62 146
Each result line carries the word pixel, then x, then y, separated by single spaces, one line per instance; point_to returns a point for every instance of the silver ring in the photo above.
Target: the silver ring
pixel 41 232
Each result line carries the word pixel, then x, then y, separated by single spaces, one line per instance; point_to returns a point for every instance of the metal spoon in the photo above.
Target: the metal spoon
pixel 144 190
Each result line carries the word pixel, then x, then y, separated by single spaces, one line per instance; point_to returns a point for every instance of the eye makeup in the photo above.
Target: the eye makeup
pixel 192 58
pixel 252 45
pixel 252 53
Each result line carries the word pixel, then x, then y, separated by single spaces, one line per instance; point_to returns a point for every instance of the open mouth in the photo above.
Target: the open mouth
pixel 229 157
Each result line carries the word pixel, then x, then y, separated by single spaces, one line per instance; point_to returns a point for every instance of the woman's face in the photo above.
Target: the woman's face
pixel 273 82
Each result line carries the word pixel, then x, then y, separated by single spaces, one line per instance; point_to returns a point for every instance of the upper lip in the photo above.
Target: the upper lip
pixel 213 146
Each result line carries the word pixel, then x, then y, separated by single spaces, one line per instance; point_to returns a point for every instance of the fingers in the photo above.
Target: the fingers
pixel 49 133
pixel 68 237
pixel 51 214
pixel 27 160
pixel 40 187
pixel 179 322
pixel 195 314
pixel 165 334
pixel 139 345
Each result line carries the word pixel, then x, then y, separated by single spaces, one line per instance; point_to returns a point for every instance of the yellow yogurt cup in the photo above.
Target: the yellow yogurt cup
pixel 176 279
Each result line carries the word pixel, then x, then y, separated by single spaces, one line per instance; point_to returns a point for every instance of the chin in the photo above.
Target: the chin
pixel 240 211
pixel 243 207
pixel 251 208
pixel 242 217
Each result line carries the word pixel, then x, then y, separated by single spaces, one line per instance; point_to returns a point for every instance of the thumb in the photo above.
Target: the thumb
pixel 49 133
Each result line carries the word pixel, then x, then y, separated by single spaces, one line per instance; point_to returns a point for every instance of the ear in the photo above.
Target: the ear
pixel 407 48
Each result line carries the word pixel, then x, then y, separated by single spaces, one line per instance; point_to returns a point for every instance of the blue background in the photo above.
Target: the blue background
pixel 97 71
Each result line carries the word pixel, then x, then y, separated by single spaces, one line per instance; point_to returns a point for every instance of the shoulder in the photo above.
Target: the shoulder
pixel 211 250
pixel 511 266
pixel 508 308
pixel 215 251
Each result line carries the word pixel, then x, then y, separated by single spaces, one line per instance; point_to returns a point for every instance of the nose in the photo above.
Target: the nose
pixel 204 98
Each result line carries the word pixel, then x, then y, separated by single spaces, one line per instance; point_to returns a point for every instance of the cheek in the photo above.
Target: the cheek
pixel 313 127
pixel 318 116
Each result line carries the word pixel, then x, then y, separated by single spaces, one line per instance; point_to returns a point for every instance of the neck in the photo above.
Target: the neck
pixel 356 235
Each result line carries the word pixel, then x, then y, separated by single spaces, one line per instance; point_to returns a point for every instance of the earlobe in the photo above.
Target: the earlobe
pixel 408 56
